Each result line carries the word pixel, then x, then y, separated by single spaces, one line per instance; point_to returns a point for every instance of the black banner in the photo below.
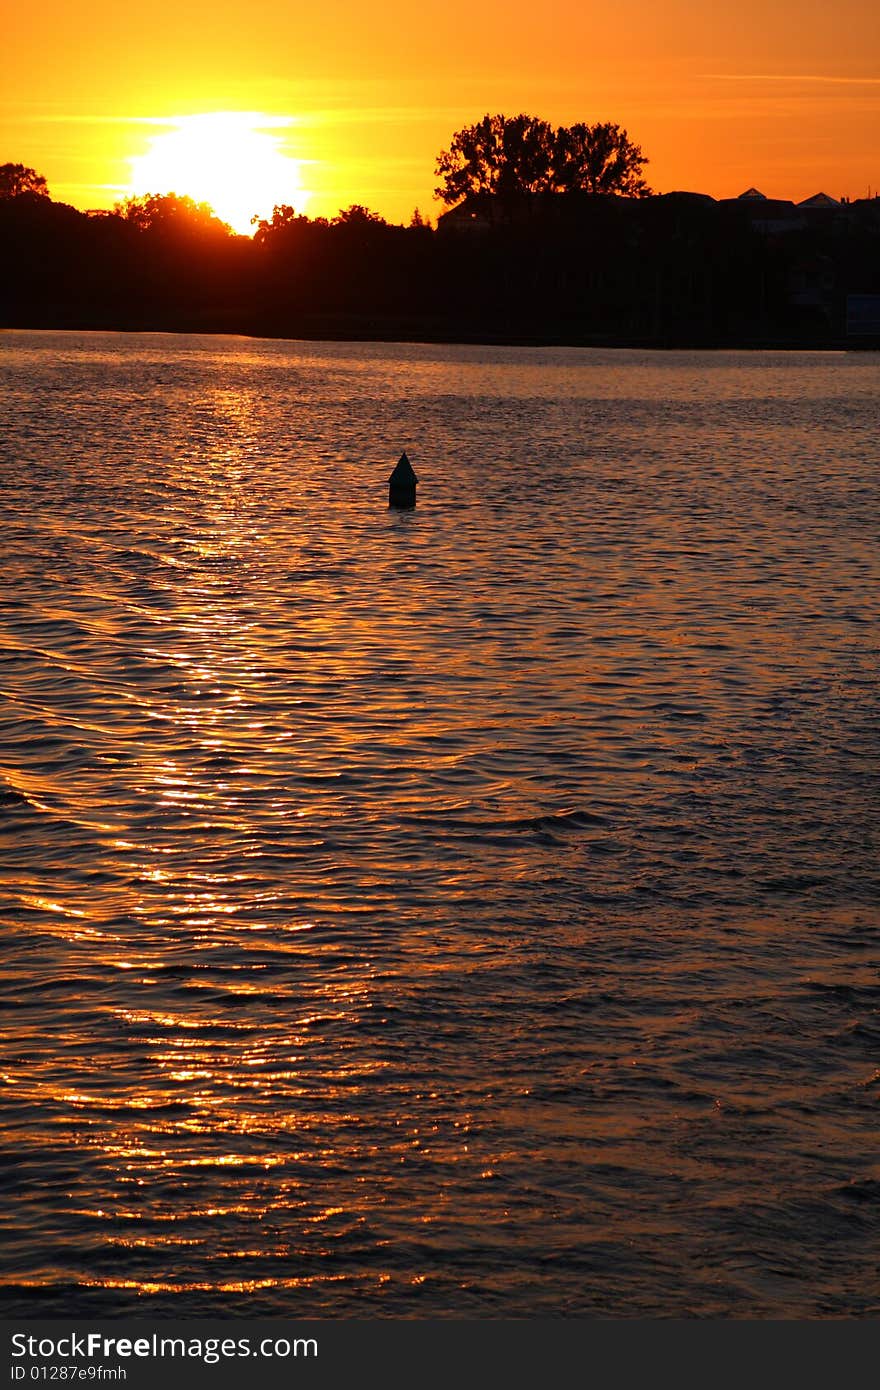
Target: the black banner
pixel 261 1355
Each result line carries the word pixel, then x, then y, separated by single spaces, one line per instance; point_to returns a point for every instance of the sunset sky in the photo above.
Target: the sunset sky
pixel 355 102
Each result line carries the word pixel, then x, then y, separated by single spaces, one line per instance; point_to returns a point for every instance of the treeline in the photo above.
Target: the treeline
pixel 574 267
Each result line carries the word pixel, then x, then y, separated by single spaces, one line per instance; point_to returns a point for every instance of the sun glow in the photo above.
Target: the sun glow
pixel 228 159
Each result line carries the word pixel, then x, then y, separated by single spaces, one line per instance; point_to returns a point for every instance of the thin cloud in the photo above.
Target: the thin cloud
pixel 314 116
pixel 261 120
pixel 792 77
pixel 355 115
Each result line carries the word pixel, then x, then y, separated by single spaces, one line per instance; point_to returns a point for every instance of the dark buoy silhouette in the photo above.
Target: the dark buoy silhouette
pixel 402 484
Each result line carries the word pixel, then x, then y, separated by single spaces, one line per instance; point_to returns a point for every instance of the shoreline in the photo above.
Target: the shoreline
pixel 333 329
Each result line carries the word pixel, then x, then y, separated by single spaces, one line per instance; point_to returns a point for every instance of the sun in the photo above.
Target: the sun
pixel 228 159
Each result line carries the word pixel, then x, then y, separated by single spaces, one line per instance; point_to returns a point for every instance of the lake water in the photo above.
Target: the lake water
pixel 470 911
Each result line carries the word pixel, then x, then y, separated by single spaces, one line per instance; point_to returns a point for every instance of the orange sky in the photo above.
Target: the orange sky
pixel 783 95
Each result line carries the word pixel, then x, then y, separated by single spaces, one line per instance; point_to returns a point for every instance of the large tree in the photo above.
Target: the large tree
pixel 500 155
pixel 509 156
pixel 598 159
pixel 172 213
pixel 356 215
pixel 18 179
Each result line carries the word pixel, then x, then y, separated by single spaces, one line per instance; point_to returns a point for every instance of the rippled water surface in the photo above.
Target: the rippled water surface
pixel 470 911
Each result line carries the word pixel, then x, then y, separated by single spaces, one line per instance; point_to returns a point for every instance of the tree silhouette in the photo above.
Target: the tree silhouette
pixel 171 213
pixel 515 156
pixel 17 180
pixel 285 224
pixel 358 216
pixel 500 155
pixel 598 159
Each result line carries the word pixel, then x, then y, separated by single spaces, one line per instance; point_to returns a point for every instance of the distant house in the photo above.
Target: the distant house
pixel 686 196
pixel 820 202
pixel 865 211
pixel 772 216
pixel 823 210
pixel 479 212
pixel 474 214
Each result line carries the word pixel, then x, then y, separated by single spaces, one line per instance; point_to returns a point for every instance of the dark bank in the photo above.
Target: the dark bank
pixel 572 267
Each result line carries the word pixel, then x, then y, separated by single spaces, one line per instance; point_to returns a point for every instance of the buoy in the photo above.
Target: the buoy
pixel 402 484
